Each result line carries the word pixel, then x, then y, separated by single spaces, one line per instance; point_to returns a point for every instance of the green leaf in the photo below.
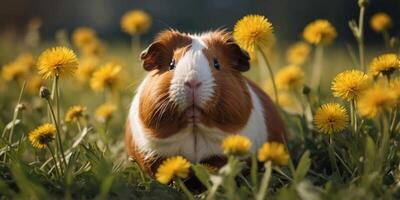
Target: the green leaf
pixel 29 186
pixel 263 190
pixel 370 155
pixel 302 167
pixel 308 191
pixel 371 164
pixel 5 190
pixel 286 193
pixel 253 171
pixel 202 174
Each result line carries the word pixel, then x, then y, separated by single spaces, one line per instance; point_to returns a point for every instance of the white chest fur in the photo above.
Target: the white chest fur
pixel 195 142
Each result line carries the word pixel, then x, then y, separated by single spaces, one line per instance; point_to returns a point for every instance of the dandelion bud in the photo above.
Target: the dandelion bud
pixel 363 3
pixel 236 145
pixel 306 90
pixel 394 42
pixel 20 107
pixel 44 92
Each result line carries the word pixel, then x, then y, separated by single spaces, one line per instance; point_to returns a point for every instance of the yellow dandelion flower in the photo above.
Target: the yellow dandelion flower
pixel 288 103
pixel 395 87
pixel 319 32
pixel 380 22
pixel 26 60
pixel 236 145
pixel 286 99
pixel 349 84
pixel 290 77
pixel 331 118
pixel 384 64
pixel 174 167
pixel 136 22
pixel 57 61
pixel 74 113
pixel 105 111
pixel 298 53
pixel 95 48
pixel 83 36
pixel 210 168
pixel 108 76
pixel 42 135
pixel 19 68
pixel 375 100
pixel 275 152
pixel 253 31
pixel 34 83
pixel 13 71
pixel 86 69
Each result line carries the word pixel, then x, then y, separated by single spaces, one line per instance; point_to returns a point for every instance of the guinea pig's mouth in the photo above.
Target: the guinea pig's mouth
pixel 193 113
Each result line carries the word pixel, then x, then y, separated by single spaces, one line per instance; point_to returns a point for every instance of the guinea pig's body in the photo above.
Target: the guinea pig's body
pixel 193 97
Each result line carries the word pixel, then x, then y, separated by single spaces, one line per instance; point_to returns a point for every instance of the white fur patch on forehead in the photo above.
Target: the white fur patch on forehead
pixel 197 42
pixel 193 66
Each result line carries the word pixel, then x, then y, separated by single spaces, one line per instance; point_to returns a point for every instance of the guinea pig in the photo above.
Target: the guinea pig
pixel 193 96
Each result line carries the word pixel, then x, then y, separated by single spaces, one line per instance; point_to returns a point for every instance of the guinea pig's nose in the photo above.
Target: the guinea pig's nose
pixel 192 84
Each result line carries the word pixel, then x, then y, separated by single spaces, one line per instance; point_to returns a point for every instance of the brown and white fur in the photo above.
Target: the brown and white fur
pixel 190 109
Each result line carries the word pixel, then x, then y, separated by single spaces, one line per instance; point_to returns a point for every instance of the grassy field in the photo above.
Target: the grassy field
pixel 342 132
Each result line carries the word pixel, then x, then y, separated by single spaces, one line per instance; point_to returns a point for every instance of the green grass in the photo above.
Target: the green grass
pixel 354 166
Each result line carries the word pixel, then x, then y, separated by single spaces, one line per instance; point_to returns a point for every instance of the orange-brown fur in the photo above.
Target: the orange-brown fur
pixel 160 52
pixel 229 108
pixel 160 116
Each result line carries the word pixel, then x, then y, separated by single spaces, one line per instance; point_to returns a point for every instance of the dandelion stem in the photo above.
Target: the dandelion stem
pixel 300 100
pixel 317 68
pixel 394 119
pixel 61 150
pixel 254 169
pixel 183 187
pixel 78 124
pixel 16 111
pixel 141 172
pixel 331 152
pixel 277 169
pixel 343 163
pixel 58 122
pixel 299 120
pixel 360 38
pixel 271 73
pixel 353 57
pixel 265 181
pixel 386 38
pixel 54 160
pixel 309 104
pixel 246 182
pixel 385 138
pixel 53 87
pixel 353 114
pixel 291 165
pixel 135 44
pixel 57 100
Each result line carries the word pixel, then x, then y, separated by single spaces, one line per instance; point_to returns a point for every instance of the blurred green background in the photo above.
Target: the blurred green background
pixel 288 16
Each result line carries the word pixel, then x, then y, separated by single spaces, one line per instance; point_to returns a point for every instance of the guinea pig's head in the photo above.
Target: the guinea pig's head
pixel 194 80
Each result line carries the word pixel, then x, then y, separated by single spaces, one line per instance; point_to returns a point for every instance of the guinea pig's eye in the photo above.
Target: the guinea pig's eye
pixel 216 63
pixel 172 65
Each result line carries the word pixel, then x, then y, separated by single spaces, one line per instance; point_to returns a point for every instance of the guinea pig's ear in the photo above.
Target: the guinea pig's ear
pixel 159 53
pixel 152 56
pixel 239 57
